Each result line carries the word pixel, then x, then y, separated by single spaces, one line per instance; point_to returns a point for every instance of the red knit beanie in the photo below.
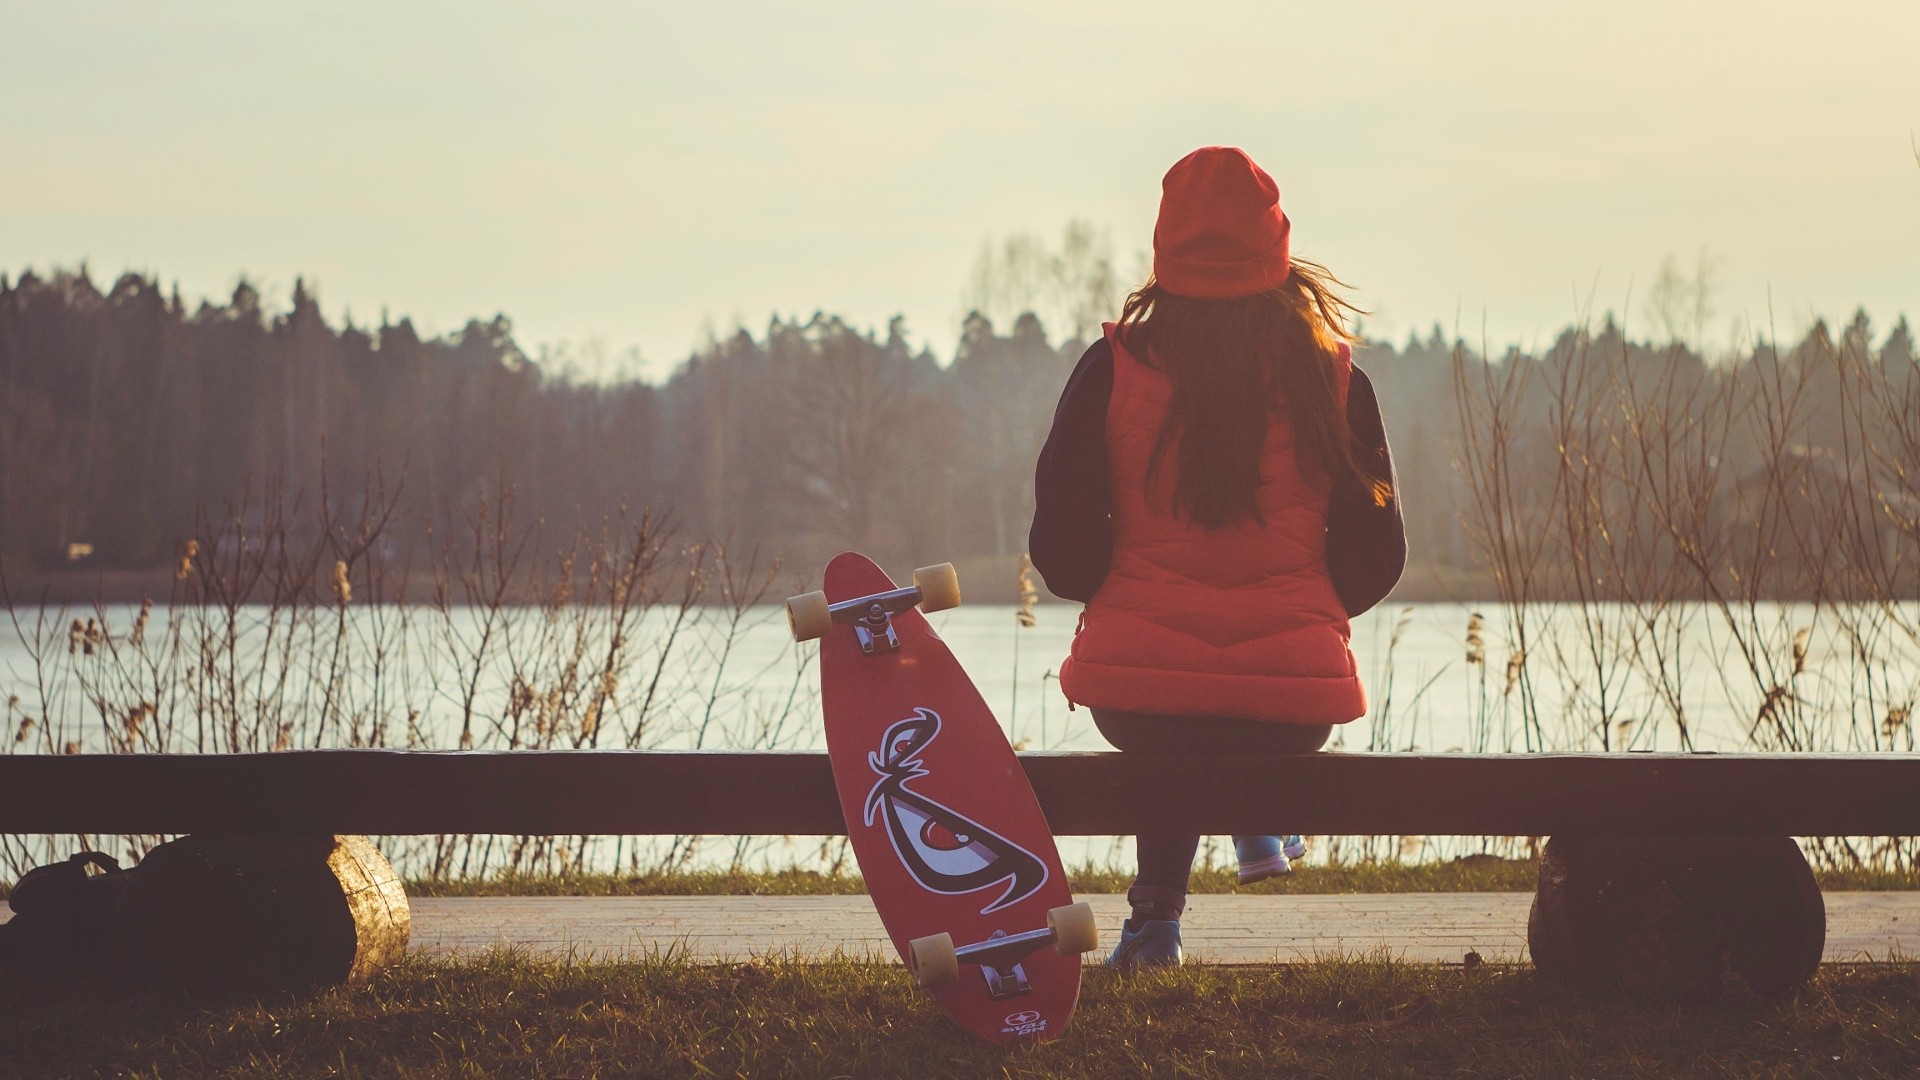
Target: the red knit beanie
pixel 1221 234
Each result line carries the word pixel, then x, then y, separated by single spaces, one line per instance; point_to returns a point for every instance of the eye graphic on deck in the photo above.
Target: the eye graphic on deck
pixel 936 835
pixel 944 850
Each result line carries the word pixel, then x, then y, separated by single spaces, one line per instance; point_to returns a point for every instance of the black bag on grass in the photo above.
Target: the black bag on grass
pixel 60 917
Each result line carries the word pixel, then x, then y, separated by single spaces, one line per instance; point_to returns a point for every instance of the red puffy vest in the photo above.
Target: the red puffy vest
pixel 1238 622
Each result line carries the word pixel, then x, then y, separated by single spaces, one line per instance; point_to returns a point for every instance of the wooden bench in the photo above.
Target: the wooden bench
pixel 1664 869
pixel 607 792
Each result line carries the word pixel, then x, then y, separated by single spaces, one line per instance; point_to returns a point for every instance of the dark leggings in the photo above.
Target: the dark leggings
pixel 1160 886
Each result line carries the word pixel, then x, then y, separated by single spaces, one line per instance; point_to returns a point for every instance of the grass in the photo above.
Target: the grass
pixel 1484 874
pixel 1478 873
pixel 1475 873
pixel 508 1015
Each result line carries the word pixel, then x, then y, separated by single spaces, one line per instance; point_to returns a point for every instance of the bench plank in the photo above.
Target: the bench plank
pixel 396 792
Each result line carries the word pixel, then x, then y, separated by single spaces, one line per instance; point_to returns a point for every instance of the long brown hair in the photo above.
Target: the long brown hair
pixel 1231 363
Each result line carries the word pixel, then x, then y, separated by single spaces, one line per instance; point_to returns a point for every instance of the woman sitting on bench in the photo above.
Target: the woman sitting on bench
pixel 1217 489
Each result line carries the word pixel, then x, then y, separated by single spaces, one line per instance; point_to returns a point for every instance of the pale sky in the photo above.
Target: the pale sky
pixel 632 173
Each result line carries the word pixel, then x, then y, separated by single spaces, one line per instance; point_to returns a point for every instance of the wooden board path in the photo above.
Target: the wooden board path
pixel 1416 927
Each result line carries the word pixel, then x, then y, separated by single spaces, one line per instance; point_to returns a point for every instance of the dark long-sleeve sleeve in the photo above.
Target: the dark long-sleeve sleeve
pixel 1071 542
pixel 1366 541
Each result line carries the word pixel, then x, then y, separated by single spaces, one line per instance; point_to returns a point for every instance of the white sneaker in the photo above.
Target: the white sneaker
pixel 1262 857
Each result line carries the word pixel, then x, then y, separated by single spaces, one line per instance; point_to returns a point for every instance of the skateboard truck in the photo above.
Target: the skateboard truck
pixel 1004 980
pixel 935 960
pixel 934 588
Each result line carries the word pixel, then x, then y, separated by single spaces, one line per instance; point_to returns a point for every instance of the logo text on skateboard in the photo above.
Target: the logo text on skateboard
pixel 1025 1022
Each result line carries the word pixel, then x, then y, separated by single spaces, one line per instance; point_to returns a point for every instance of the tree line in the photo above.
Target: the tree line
pixel 129 418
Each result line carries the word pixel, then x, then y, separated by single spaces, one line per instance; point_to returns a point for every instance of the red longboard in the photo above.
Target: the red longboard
pixel 946 829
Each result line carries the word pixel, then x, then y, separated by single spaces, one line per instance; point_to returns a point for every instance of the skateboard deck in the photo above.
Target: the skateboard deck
pixel 941 817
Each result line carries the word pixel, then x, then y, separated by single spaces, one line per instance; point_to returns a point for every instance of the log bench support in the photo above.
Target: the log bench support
pixel 238 913
pixel 1680 917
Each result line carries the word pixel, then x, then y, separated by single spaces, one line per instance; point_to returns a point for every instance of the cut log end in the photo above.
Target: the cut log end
pixel 255 914
pixel 1679 918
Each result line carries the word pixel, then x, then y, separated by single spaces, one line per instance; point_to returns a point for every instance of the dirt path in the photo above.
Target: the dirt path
pixel 1423 927
pixel 1420 927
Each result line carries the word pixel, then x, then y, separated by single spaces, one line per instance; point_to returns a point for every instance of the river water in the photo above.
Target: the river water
pixel 1440 678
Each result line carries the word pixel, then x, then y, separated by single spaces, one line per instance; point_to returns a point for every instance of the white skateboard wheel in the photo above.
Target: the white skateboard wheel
pixel 939 587
pixel 808 617
pixel 1073 929
pixel 932 960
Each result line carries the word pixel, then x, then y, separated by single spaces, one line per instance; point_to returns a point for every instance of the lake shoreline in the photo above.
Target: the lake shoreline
pixel 984 579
